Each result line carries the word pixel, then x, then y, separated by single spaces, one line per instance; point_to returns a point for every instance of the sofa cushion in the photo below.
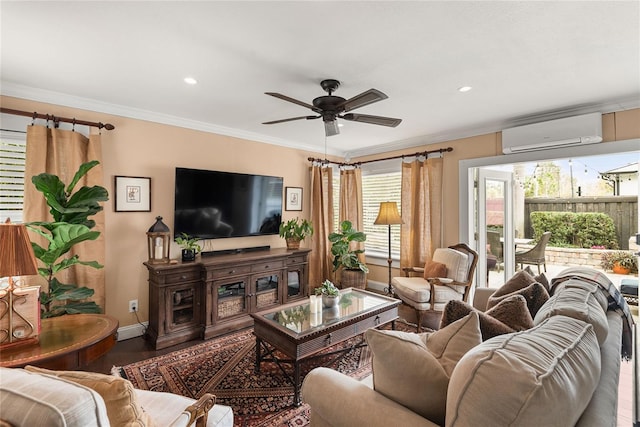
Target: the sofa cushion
pixel 579 300
pixel 521 283
pixel 30 399
pixel 434 269
pixel 118 394
pixel 413 369
pixel 511 314
pixel 519 379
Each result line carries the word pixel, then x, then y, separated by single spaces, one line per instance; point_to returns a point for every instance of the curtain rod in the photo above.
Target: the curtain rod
pixel 56 120
pixel 400 156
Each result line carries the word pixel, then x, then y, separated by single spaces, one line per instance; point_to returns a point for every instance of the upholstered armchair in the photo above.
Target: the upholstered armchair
pixel 34 396
pixel 447 276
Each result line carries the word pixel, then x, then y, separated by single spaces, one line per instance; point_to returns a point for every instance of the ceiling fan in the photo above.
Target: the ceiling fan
pixel 331 108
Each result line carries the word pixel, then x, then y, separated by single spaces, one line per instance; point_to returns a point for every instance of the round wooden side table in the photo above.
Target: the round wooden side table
pixel 66 343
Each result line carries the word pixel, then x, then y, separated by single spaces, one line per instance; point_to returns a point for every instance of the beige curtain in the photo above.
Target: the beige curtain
pixel 351 201
pixel 61 152
pixel 421 232
pixel 320 267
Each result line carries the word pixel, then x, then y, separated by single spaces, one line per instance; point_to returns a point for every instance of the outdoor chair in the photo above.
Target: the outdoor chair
pixel 426 293
pixel 535 255
pixel 495 247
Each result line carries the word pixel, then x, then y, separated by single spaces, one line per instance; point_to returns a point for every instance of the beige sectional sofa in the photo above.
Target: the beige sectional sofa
pixel 563 371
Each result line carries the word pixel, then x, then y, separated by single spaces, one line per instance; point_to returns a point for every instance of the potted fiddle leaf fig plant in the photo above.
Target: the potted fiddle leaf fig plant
pixel 294 231
pixel 345 258
pixel 70 226
pixel 190 246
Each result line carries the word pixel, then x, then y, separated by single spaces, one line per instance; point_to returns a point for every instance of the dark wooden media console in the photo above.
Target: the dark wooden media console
pixel 216 294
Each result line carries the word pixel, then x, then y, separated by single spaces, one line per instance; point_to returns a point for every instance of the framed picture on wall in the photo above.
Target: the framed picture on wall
pixel 293 199
pixel 132 194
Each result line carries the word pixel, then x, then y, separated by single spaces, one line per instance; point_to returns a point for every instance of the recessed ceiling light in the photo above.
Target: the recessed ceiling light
pixel 190 81
pixel 464 89
pixel 340 125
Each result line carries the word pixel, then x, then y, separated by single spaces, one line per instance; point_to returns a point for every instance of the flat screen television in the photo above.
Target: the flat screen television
pixel 214 204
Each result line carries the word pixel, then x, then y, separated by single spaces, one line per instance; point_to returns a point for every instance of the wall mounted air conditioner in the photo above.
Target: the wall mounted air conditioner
pixel 570 131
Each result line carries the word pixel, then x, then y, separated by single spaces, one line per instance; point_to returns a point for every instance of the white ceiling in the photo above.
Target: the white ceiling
pixel 526 61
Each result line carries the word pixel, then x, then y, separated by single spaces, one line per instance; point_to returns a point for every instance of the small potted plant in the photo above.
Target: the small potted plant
pixel 353 273
pixel 620 262
pixel 330 294
pixel 189 245
pixel 294 231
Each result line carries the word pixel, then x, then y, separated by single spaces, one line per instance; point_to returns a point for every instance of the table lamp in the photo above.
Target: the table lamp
pixel 388 215
pixel 19 307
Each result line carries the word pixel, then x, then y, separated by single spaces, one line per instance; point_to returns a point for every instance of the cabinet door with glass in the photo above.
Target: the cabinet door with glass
pixel 297 277
pixel 182 302
pixel 266 290
pixel 231 297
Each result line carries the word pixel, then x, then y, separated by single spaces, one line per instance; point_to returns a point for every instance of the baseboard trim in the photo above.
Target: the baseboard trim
pixel 377 286
pixel 132 331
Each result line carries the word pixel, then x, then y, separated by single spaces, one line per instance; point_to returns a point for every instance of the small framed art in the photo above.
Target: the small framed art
pixel 293 199
pixel 133 194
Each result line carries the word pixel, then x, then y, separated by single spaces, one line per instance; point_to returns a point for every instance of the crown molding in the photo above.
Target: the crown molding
pixel 58 98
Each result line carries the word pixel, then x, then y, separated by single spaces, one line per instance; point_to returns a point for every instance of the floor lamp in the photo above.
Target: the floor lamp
pixel 388 215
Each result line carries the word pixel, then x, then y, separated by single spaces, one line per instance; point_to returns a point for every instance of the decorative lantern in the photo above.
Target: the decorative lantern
pixel 159 241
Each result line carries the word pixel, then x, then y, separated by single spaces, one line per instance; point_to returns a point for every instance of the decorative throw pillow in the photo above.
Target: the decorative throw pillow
pixel 118 394
pixel 579 301
pixel 434 269
pixel 414 369
pixel 521 283
pixel 545 376
pixel 509 315
pixel 540 278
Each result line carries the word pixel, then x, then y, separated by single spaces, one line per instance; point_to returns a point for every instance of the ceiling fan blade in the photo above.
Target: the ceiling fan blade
pixel 291 119
pixel 295 101
pixel 331 127
pixel 374 120
pixel 365 98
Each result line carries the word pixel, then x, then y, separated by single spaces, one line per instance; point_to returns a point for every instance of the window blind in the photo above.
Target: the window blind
pixel 12 166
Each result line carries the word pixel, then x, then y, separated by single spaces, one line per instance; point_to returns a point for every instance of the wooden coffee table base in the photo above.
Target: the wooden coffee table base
pixel 269 356
pixel 299 346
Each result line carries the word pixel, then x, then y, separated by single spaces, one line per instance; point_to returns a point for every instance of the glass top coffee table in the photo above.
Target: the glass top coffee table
pixel 300 334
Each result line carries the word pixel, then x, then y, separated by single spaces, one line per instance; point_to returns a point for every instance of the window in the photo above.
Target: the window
pixel 12 163
pixel 376 188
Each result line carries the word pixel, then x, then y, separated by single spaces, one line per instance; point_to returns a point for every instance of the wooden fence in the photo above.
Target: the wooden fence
pixel 622 209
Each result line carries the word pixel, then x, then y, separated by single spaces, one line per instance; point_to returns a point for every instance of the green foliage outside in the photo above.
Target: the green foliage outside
pixel 575 230
pixel 70 226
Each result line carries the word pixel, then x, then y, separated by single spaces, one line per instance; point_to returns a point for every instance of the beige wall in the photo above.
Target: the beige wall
pixel 141 148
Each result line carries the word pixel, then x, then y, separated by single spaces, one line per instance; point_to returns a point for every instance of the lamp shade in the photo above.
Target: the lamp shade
pixel 16 253
pixel 388 214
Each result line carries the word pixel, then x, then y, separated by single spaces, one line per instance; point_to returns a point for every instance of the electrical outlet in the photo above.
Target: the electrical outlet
pixel 133 305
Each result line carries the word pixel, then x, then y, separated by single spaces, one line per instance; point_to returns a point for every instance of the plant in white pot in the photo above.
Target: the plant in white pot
pixel 294 231
pixel 346 259
pixel 330 294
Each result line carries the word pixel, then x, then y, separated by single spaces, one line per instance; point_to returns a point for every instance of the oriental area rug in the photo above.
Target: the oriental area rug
pixel 225 367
